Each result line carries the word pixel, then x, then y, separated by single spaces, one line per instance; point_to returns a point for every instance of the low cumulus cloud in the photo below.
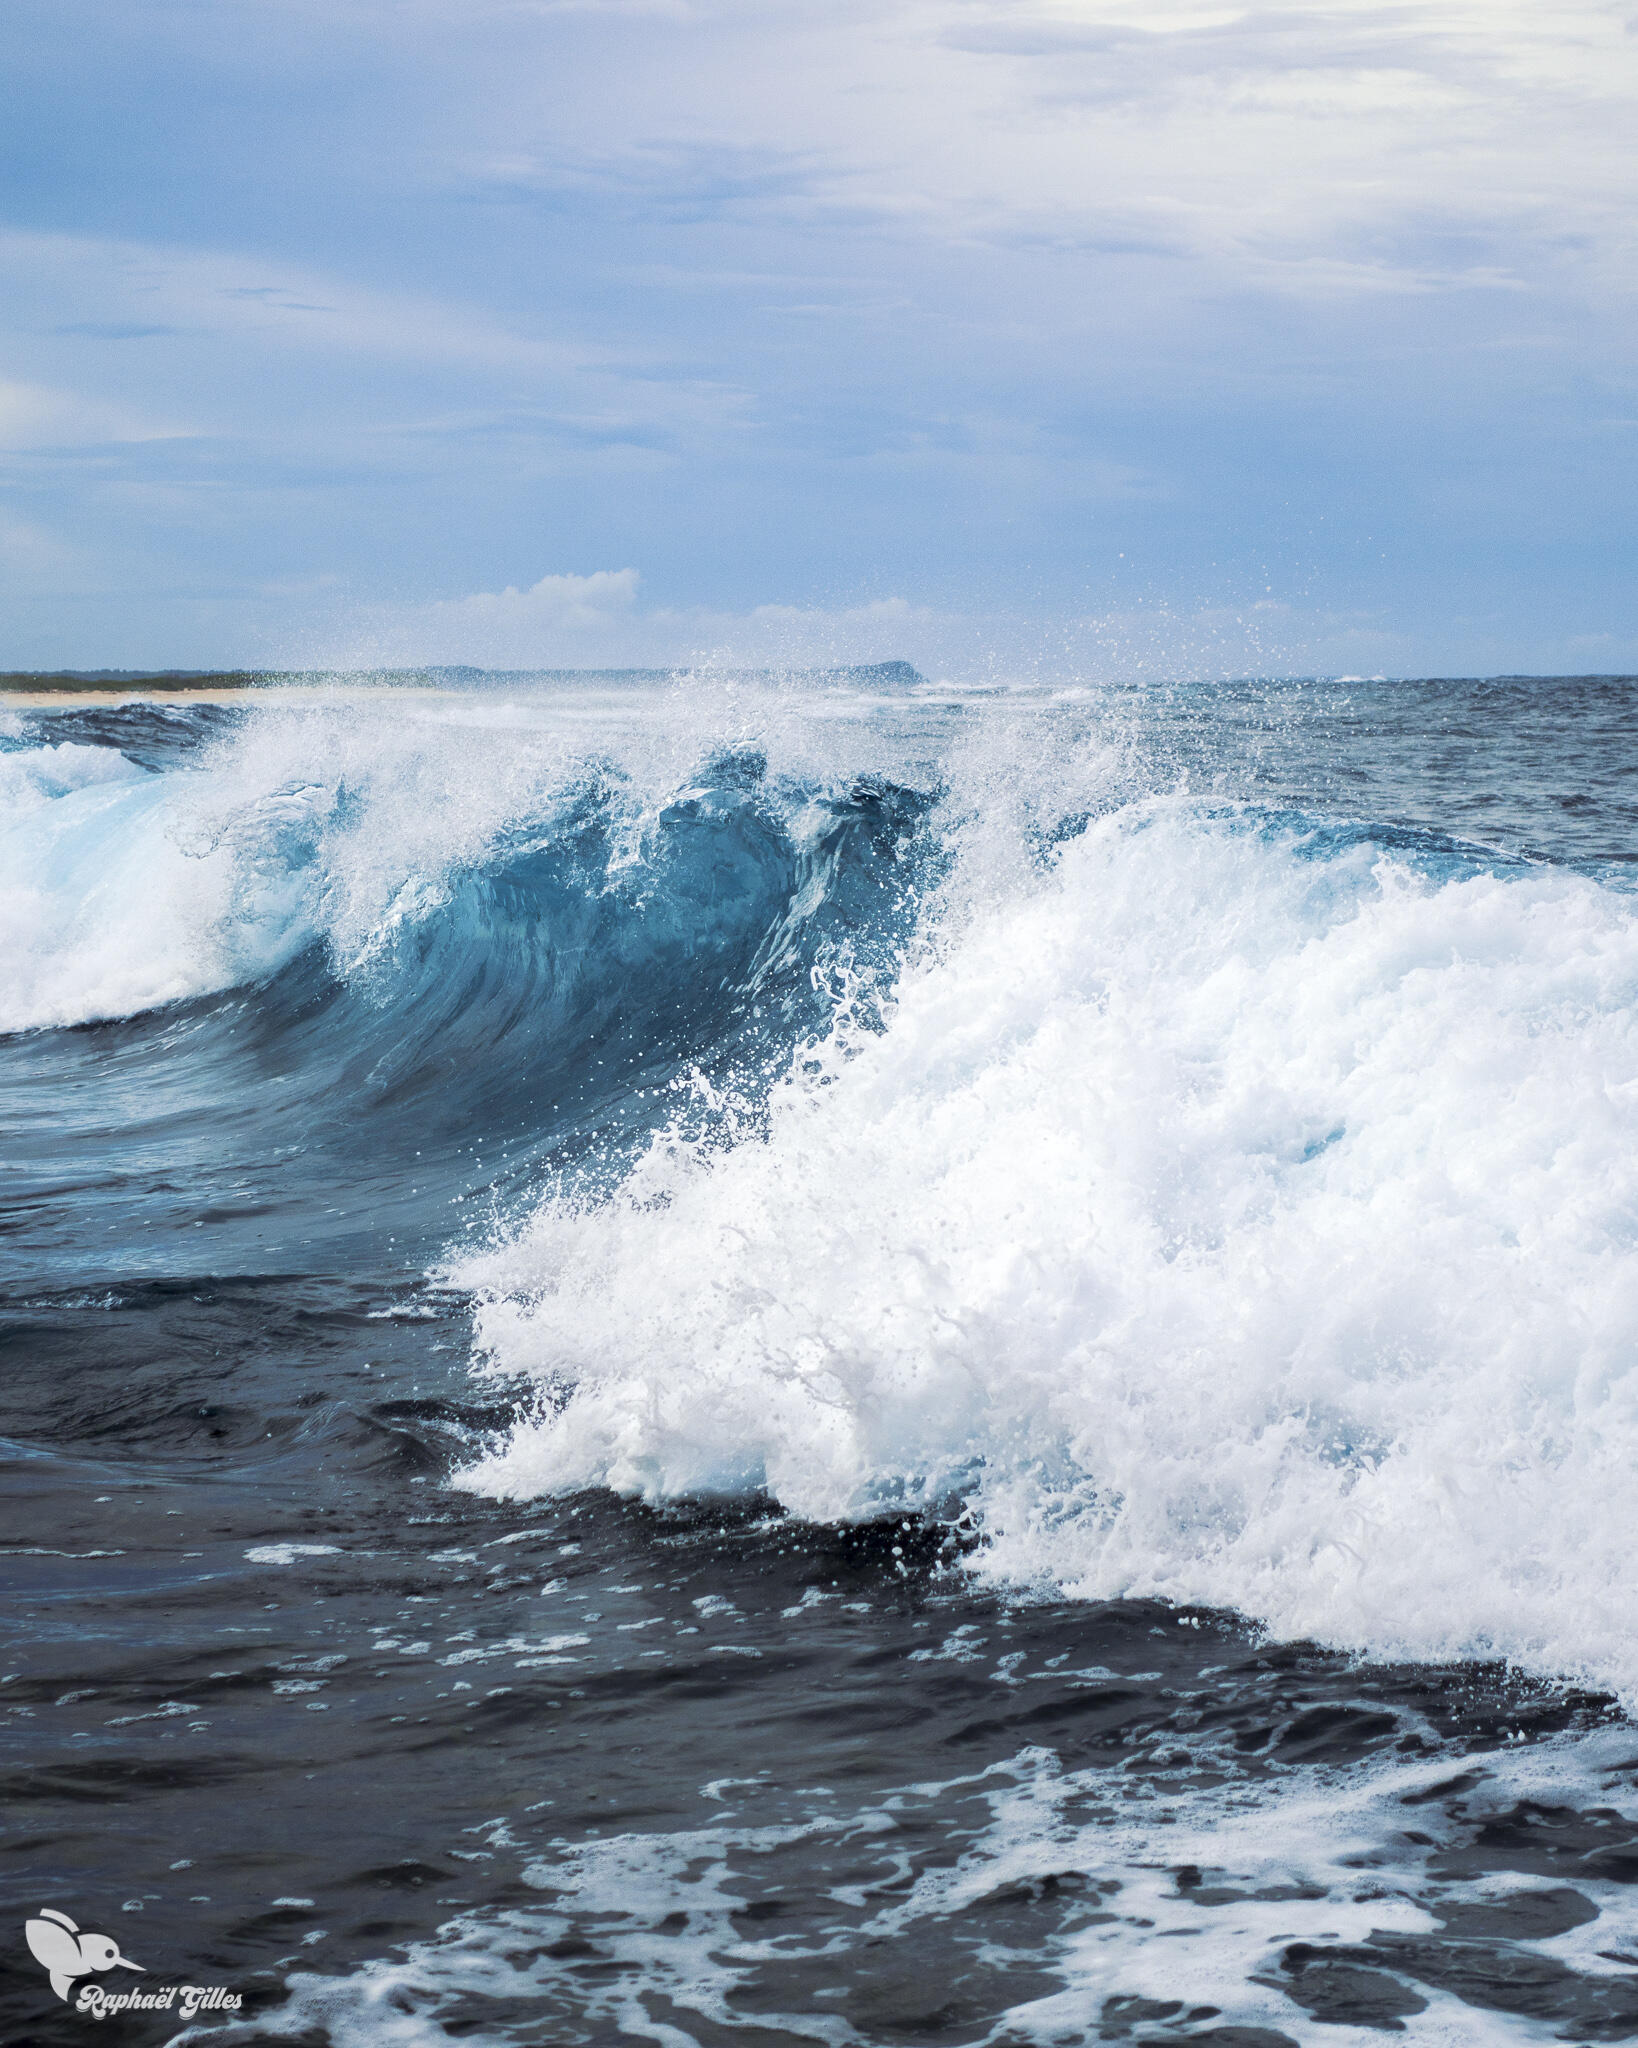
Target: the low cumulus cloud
pixel 565 620
pixel 519 628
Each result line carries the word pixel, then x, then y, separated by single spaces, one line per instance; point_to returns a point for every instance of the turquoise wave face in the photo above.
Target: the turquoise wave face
pixel 260 999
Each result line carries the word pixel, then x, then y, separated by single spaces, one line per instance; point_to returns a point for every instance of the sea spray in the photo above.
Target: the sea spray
pixel 1242 1215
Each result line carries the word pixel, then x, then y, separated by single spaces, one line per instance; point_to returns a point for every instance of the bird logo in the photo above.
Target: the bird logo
pixel 58 1945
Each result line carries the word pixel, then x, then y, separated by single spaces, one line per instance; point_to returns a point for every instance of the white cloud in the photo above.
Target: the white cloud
pixel 561 621
pixel 521 628
pixel 1253 141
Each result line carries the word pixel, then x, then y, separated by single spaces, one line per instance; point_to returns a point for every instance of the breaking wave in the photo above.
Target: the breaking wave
pixel 1234 1207
pixel 1233 1201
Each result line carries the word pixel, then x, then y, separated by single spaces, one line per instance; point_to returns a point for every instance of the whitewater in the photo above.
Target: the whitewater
pixel 1058 1165
pixel 1227 1217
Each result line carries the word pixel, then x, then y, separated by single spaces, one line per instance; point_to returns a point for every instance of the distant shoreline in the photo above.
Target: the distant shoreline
pixel 62 690
pixel 20 691
pixel 44 689
pixel 61 686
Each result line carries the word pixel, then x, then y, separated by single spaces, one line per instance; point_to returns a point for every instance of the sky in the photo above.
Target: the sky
pixel 1066 337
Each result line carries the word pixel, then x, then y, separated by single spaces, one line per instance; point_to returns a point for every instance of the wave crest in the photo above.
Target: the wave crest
pixel 1238 1214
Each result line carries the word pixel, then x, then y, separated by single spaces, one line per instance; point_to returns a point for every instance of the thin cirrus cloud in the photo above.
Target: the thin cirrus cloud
pixel 1286 122
pixel 1029 313
pixel 235 299
pixel 34 416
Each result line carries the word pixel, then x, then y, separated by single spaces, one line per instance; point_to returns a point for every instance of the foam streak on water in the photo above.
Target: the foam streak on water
pixel 1237 1903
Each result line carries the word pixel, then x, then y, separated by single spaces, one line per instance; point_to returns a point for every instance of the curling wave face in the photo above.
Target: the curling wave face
pixel 334 955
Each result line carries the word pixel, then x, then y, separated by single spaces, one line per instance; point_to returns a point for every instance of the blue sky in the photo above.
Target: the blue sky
pixel 998 335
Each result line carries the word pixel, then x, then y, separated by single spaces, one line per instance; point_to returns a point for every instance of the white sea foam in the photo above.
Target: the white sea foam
pixel 339 825
pixel 1218 1217
pixel 114 902
pixel 1318 1856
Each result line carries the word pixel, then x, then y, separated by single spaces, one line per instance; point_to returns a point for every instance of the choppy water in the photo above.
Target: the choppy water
pixel 734 1363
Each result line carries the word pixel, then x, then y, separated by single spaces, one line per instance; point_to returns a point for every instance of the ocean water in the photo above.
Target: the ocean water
pixel 741 1361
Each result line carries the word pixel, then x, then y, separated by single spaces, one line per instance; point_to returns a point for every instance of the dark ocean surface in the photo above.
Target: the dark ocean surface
pixel 748 1362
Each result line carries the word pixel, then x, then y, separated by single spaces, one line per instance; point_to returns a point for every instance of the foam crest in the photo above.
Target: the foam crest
pixel 346 825
pixel 1233 1213
pixel 107 911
